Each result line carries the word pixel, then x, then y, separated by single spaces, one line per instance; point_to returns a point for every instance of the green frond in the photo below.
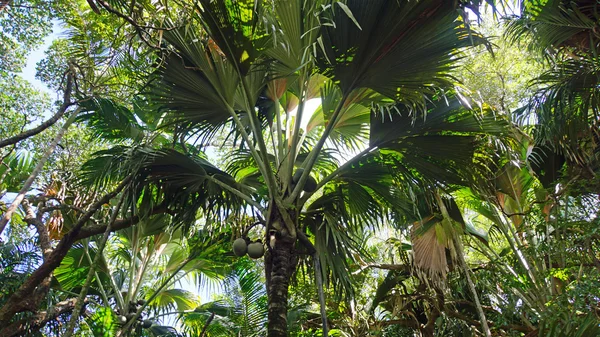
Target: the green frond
pixel 102 323
pixel 243 312
pixel 565 109
pixel 294 26
pixel 443 145
pixel 234 27
pixel 182 183
pixel 73 270
pixel 403 49
pixel 110 120
pixel 338 237
pixel 15 169
pixel 553 24
pixel 174 299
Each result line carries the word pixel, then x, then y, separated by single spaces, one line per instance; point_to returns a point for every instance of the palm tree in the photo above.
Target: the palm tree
pixel 241 312
pixel 136 278
pixel 565 110
pixel 388 124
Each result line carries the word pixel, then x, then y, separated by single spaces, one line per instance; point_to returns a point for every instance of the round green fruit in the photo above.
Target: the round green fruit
pixel 297 175
pixel 239 247
pixel 311 185
pixel 146 324
pixel 256 250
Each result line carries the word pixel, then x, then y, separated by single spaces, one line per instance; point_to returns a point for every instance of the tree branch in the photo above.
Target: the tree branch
pixel 36 171
pixel 138 28
pixel 36 221
pixel 27 326
pixel 18 301
pixel 314 153
pixel 119 224
pixel 61 111
pixel 401 267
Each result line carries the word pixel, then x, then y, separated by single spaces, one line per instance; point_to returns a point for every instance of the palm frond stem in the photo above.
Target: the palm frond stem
pixel 514 242
pixel 237 192
pixel 262 165
pixel 116 290
pixel 279 130
pixel 293 146
pixel 319 279
pixel 132 264
pixel 461 259
pixel 314 153
pixel 268 174
pixel 208 321
pixel 287 219
pixel 98 281
pixel 142 271
pixel 526 298
pixel 125 329
pixel 337 171
pixel 92 271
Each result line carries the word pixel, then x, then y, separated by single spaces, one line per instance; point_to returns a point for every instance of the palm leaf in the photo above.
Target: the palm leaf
pixel 233 25
pixel 110 120
pixel 177 299
pixel 14 170
pixel 74 268
pixel 103 322
pixel 443 145
pixel 400 49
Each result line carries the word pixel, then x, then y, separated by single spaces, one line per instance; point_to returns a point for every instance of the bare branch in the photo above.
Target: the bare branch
pixel 48 123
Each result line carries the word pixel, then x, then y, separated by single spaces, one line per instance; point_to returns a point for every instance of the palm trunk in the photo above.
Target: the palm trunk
pixel 36 171
pixel 280 263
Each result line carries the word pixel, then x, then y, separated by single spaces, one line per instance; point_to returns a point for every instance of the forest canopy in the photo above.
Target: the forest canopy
pixel 299 168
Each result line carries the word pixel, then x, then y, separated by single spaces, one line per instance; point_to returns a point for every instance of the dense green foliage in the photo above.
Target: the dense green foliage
pixel 409 168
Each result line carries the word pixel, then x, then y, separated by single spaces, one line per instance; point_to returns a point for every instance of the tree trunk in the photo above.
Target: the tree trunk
pixel 27 326
pixel 280 263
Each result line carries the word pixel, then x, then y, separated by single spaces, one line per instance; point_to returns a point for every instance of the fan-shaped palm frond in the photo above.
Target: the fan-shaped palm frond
pixel 184 183
pixel 441 145
pixel 399 49
pixel 555 24
pixel 110 120
pixel 234 27
pixel 197 85
pixel 565 109
pixel 175 299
